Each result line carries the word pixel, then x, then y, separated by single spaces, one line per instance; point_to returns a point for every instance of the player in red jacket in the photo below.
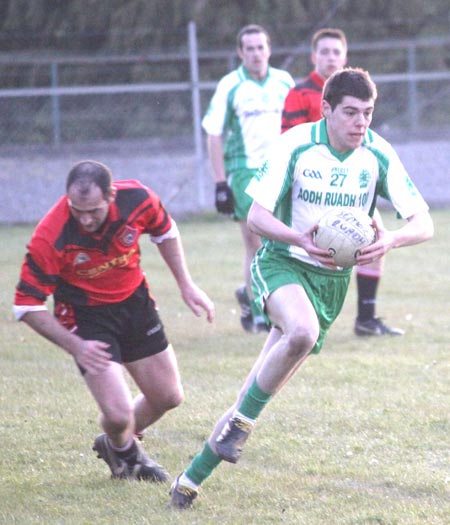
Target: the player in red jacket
pixel 303 104
pixel 85 252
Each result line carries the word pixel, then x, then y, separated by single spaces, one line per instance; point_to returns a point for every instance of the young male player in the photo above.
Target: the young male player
pixel 295 283
pixel 303 104
pixel 85 252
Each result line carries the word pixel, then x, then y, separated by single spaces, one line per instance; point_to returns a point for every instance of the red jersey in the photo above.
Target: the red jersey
pixel 303 102
pixel 82 268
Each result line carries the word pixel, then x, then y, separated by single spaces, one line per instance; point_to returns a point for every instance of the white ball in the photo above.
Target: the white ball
pixel 344 232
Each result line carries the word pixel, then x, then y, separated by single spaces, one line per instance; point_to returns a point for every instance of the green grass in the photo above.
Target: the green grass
pixel 359 436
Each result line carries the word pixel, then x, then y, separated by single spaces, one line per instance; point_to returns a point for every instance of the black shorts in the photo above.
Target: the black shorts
pixel 132 327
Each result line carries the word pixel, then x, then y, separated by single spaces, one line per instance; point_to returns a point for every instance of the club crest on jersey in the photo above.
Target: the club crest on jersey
pixel 364 179
pixel 128 236
pixel 81 258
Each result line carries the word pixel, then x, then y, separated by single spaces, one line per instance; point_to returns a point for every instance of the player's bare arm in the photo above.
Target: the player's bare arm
pixel 418 228
pixel 91 355
pixel 215 151
pixel 173 254
pixel 262 222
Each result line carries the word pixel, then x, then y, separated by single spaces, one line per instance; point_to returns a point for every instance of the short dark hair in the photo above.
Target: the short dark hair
pixel 349 82
pixel 328 32
pixel 88 172
pixel 249 30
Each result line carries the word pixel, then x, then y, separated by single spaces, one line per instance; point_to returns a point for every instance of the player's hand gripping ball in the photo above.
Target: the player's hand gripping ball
pixel 224 198
pixel 344 232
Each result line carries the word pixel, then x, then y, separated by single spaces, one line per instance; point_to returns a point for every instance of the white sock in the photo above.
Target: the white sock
pixel 186 482
pixel 127 445
pixel 237 414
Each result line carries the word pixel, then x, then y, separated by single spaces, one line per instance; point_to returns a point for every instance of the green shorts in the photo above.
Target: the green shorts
pixel 238 182
pixel 326 289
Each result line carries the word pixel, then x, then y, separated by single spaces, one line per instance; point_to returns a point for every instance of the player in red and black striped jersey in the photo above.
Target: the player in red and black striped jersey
pixel 92 264
pixel 303 104
pixel 85 252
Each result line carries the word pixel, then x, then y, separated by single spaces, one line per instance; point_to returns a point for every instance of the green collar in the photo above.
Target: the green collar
pixel 246 75
pixel 319 135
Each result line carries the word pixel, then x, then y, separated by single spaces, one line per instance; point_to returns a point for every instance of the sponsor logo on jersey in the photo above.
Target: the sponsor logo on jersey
pixel 262 171
pixel 259 112
pixel 128 236
pixel 81 258
pixel 117 262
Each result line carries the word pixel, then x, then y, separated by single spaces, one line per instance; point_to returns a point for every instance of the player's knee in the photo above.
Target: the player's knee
pixel 301 341
pixel 171 399
pixel 175 399
pixel 119 420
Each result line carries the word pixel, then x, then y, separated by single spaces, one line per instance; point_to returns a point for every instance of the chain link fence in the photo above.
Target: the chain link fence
pixel 141 115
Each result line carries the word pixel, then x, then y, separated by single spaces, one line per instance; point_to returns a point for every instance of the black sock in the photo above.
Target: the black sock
pixel 367 292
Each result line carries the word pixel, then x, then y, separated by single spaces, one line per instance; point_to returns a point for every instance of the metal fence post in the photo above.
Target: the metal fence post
pixel 56 113
pixel 196 112
pixel 412 89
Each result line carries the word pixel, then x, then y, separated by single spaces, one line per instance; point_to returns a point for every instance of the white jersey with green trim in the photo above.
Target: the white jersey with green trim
pixel 304 176
pixel 248 114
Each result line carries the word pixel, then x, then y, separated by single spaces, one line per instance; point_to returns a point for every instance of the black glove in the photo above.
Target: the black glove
pixel 224 198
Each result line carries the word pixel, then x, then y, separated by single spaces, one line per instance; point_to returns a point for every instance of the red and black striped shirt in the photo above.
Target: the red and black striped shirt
pixel 303 102
pixel 82 268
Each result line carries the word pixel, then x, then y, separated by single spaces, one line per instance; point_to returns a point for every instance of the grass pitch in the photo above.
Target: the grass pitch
pixel 359 435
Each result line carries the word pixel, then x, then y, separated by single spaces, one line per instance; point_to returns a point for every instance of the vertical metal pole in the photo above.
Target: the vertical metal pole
pixel 196 113
pixel 412 89
pixel 56 114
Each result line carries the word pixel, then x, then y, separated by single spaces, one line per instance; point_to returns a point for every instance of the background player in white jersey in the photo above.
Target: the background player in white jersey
pixel 242 120
pixel 303 104
pixel 297 285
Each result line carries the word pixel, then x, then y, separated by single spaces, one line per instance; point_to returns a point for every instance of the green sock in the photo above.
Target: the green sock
pixel 254 401
pixel 202 465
